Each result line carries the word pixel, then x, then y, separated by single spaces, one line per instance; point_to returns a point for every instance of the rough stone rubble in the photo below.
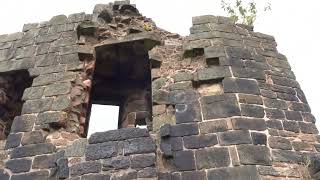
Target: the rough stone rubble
pixel 225 103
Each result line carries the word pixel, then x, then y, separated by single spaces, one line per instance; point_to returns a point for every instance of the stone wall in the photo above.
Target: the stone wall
pixel 225 103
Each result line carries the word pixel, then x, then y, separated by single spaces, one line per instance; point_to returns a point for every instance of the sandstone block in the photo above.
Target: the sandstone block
pixel 240 86
pixel 251 154
pixel 19 165
pixel 212 158
pixel 184 160
pixel 201 141
pixel 234 137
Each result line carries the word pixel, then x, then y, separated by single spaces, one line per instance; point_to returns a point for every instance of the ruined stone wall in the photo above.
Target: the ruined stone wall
pixel 225 103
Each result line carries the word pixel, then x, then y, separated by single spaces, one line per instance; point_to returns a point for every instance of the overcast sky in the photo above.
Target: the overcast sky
pixel 294 23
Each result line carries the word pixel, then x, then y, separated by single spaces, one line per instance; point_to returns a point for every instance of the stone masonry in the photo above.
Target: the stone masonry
pixel 221 103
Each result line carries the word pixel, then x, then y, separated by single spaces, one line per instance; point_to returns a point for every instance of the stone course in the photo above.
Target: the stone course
pixel 224 103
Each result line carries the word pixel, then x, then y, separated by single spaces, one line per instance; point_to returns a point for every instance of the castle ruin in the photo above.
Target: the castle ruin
pixel 221 103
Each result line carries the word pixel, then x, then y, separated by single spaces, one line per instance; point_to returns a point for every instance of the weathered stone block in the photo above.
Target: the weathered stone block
pixel 52 117
pixel 231 85
pixel 158 83
pixel 219 106
pixel 47 59
pixel 4 175
pixel 77 149
pixel 117 135
pixel 186 113
pixel 274 124
pixel 213 52
pixel 181 86
pixel 309 128
pixel 252 111
pixel 196 142
pixel 36 106
pixel 192 175
pixel 234 137
pixel 33 137
pixel 274 103
pixel 238 52
pixel 119 162
pixel 274 113
pixel 250 99
pixel 33 93
pixel 25 52
pixel 251 73
pixel 142 161
pixel 291 126
pixel 251 154
pixel 295 106
pixel 19 165
pixel 286 156
pixel 184 130
pixel 61 103
pixel 149 172
pixel 212 158
pixel 182 76
pixel 293 115
pixel 44 79
pixel 285 82
pixel 204 19
pixel 95 177
pixel 44 161
pixel 239 173
pixel 249 124
pixel 215 126
pixel 184 160
pixel 101 151
pixel 57 89
pixel 160 97
pixel 308 117
pixel 85 168
pixel 259 138
pixel 36 175
pixel 183 96
pixel 13 140
pixel 139 145
pixel 32 150
pixel 63 169
pixel 213 73
pixel 23 123
pixel 279 143
pixel 301 146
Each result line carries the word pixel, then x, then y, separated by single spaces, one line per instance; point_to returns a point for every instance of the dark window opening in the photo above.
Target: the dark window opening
pixel 122 77
pixel 12 86
pixel 213 62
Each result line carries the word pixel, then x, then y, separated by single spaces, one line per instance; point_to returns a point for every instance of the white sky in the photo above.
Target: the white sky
pixel 98 117
pixel 294 23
